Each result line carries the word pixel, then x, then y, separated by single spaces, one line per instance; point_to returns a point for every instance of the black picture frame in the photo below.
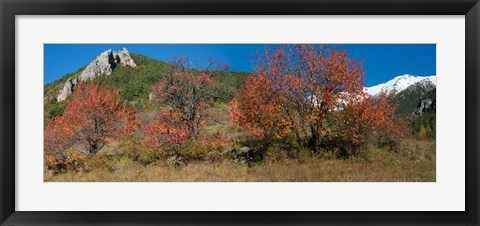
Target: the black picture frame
pixel 10 8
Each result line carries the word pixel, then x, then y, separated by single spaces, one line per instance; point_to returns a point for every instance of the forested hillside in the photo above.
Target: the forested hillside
pixel 135 84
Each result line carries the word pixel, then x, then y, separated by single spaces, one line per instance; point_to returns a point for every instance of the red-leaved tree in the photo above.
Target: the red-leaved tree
pixel 302 90
pixel 94 116
pixel 167 130
pixel 57 137
pixel 365 118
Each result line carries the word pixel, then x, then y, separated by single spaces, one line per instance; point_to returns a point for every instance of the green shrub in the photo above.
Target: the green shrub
pixel 276 153
pixel 56 109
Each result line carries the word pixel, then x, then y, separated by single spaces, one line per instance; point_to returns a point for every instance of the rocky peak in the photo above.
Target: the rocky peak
pixel 104 64
pixel 124 58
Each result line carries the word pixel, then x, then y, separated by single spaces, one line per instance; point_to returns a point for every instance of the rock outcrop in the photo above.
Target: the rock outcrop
pixel 67 89
pixel 104 64
pixel 425 106
pixel 427 103
pixel 151 96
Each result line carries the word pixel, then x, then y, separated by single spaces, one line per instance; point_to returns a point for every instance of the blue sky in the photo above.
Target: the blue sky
pixel 382 61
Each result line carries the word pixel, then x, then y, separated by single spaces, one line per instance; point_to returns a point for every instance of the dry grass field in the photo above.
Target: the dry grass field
pixel 414 162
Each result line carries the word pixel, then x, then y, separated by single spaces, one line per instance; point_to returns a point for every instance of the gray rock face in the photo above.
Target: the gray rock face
pixel 67 89
pixel 151 96
pixel 104 64
pixel 425 106
pixel 123 57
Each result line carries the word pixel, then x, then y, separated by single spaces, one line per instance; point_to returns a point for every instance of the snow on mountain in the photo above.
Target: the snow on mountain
pixel 400 83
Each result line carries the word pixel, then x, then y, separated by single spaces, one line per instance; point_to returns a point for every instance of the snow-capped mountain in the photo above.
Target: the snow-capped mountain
pixel 400 83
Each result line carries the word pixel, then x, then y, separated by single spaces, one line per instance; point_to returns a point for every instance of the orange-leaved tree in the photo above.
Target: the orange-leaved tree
pixel 94 116
pixel 258 110
pixel 167 130
pixel 299 90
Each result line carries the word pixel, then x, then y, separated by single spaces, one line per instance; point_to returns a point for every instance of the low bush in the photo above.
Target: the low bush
pixel 71 160
pixel 208 147
pixel 276 153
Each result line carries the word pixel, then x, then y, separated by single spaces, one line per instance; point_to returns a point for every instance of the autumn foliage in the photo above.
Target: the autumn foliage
pixel 258 110
pixel 94 116
pixel 314 93
pixel 187 90
pixel 57 137
pixel 167 130
pixel 364 119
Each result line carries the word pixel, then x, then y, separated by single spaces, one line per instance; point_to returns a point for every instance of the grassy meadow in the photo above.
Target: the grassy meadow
pixel 415 162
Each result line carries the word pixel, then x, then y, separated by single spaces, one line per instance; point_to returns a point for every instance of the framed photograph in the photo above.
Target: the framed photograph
pixel 257 112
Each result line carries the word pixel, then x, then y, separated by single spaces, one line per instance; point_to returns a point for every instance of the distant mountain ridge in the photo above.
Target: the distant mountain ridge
pixel 401 83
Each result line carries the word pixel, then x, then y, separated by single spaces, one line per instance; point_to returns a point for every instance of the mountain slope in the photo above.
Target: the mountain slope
pixel 408 90
pixel 407 99
pixel 424 120
pixel 134 83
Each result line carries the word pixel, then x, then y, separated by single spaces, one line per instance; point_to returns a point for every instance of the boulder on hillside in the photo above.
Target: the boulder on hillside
pixel 247 155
